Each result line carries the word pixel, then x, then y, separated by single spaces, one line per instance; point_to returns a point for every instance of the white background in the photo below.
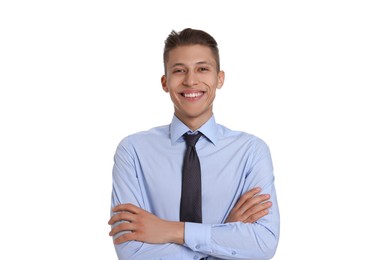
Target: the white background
pixel 311 78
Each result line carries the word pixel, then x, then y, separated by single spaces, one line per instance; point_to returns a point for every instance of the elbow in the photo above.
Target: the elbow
pixel 268 250
pixel 127 250
pixel 267 247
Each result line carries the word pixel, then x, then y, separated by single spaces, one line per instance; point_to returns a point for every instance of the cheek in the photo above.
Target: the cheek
pixel 212 85
pixel 173 82
pixel 210 80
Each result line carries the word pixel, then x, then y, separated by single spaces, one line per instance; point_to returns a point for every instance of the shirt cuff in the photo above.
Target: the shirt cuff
pixel 197 236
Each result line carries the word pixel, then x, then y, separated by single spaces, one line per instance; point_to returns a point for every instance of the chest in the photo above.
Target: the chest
pixel 223 176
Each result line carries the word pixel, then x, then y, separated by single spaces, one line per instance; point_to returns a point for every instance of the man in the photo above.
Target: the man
pixel 235 220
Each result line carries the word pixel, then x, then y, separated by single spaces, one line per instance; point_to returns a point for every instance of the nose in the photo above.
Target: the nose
pixel 190 79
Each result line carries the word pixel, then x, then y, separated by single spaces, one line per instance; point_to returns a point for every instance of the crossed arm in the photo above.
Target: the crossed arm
pixel 148 228
pixel 250 231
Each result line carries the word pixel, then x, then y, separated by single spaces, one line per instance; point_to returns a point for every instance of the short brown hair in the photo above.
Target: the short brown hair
pixel 187 37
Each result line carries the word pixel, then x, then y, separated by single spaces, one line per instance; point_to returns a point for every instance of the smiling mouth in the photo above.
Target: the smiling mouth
pixel 192 95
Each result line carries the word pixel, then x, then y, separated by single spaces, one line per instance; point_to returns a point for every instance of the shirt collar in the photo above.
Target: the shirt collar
pixel 208 129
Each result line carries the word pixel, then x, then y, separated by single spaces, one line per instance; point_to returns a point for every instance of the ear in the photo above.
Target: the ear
pixel 221 79
pixel 164 83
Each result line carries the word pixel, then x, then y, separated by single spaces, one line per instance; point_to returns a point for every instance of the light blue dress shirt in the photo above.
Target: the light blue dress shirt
pixel 147 173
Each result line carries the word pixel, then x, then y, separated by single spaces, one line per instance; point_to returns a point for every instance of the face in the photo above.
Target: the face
pixel 191 80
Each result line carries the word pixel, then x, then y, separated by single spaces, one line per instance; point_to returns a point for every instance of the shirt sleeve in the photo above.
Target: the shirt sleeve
pixel 239 240
pixel 127 189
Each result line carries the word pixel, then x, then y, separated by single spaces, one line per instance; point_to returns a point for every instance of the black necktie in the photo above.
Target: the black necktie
pixel 191 193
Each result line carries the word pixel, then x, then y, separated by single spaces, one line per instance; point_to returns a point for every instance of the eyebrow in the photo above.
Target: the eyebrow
pixel 197 63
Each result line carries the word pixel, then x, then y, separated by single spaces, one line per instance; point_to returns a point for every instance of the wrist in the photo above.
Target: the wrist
pixel 176 232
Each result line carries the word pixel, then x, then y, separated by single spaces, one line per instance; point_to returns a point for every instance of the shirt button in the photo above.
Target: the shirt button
pixel 197 246
pixel 234 252
pixel 196 257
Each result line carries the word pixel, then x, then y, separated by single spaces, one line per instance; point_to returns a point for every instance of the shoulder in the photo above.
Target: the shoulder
pixel 253 144
pixel 242 136
pixel 145 136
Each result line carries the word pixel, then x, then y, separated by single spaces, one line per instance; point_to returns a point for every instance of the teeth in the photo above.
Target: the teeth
pixel 192 95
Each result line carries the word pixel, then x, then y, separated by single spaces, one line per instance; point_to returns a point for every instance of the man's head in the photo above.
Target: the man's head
pixel 188 37
pixel 192 75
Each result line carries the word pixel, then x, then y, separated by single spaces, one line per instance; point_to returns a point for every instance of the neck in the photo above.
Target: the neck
pixel 194 123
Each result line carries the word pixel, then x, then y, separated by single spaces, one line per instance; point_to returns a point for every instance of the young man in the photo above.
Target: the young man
pixel 239 216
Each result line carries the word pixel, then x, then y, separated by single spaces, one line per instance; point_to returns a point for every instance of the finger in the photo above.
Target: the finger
pixel 127 216
pixel 247 195
pixel 125 226
pixel 125 237
pixel 257 211
pixel 257 208
pixel 263 197
pixel 253 218
pixel 254 201
pixel 126 207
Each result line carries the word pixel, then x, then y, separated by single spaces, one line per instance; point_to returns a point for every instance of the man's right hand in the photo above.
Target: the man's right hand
pixel 250 207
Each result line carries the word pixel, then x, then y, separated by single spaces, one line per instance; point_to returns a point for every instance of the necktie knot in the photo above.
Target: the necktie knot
pixel 191 140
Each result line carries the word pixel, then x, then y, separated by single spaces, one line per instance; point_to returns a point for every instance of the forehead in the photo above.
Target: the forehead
pixel 190 54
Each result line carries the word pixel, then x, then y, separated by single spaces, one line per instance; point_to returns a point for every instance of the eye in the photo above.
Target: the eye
pixel 178 71
pixel 203 69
